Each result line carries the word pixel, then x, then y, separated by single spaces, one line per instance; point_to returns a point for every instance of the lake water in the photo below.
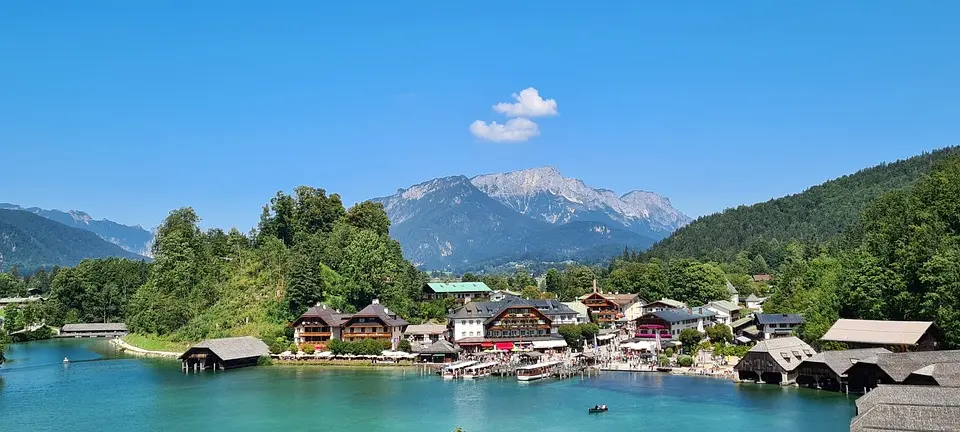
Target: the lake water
pixel 101 390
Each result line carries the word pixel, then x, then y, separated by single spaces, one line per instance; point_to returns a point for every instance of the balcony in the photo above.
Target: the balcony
pixel 348 336
pixel 316 334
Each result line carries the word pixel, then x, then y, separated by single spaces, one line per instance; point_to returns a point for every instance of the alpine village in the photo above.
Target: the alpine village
pixel 860 300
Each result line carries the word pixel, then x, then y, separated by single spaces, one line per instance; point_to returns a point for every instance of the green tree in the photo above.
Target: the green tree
pixel 720 333
pixel 370 216
pixel 531 293
pixel 521 279
pixel 697 283
pixel 469 277
pixel 553 282
pixel 404 346
pixel 690 338
pixel 577 280
pixel 572 334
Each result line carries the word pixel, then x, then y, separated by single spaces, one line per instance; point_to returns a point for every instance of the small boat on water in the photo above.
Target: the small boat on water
pixel 479 370
pixel 456 370
pixel 537 371
pixel 664 369
pixel 596 410
pixel 66 360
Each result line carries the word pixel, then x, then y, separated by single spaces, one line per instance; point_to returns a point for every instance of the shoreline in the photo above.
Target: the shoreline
pixel 140 352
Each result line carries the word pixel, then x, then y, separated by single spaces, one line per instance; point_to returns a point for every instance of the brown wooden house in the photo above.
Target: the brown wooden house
pixel 774 361
pixel 828 369
pixel 374 322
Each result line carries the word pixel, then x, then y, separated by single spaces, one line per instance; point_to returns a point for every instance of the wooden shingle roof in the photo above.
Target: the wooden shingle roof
pixel 233 348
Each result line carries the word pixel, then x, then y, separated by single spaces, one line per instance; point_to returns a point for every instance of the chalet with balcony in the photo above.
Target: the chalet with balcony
pixel 727 311
pixel 462 291
pixel 606 309
pixel 510 322
pixel 319 324
pixel 374 322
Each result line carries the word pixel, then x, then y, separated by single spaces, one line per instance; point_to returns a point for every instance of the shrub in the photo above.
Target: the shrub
pixel 405 346
pixel 309 348
pixel 278 345
pixel 264 361
pixel 663 360
pixel 685 361
pixel 668 352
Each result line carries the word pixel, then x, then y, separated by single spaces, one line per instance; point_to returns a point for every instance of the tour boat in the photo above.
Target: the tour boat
pixel 595 410
pixel 536 371
pixel 479 370
pixel 456 370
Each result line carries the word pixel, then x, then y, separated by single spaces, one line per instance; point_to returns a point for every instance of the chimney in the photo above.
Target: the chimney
pixel 595 286
pixel 375 301
pixel 386 311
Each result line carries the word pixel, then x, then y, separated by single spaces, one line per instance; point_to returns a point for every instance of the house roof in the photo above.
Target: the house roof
pixel 578 307
pixel 945 374
pixel 667 302
pixel 908 408
pixel 95 327
pixel 441 347
pixel 376 310
pixel 490 309
pixel 779 319
pixel 458 287
pixel 731 289
pixel 898 366
pixel 742 322
pixel 622 299
pixel 425 329
pixel 328 315
pixel 725 306
pixel 877 332
pixel 753 298
pixel 233 348
pixel 762 278
pixel 788 352
pixel 677 315
pixel 840 361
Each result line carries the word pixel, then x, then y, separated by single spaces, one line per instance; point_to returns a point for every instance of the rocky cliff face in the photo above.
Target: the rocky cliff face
pixel 544 194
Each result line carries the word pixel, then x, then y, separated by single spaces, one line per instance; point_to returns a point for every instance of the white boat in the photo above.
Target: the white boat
pixel 479 370
pixel 536 371
pixel 456 370
pixel 66 360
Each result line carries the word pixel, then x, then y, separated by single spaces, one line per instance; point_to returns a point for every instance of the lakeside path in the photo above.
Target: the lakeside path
pixel 142 352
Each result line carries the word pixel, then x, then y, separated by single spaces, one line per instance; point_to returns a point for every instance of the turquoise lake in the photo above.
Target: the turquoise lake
pixel 101 390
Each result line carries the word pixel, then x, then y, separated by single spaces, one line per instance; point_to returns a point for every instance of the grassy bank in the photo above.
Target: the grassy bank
pixel 154 342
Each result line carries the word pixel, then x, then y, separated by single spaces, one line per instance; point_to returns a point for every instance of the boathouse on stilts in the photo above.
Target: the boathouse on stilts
pixel 225 353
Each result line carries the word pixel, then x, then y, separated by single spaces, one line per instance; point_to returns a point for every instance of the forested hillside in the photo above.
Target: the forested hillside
pixel 812 217
pixel 899 261
pixel 29 242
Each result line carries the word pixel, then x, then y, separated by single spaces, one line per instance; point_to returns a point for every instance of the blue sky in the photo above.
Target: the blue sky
pixel 128 110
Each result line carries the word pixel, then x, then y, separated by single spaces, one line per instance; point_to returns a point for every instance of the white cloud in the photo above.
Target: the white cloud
pixel 514 130
pixel 529 104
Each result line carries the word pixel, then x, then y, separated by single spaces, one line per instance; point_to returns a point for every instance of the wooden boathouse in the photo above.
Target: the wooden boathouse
pixel 225 353
pixel 93 330
pixel 774 361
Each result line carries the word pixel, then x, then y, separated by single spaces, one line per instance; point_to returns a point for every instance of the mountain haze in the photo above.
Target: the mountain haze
pixel 457 223
pixel 30 241
pixel 131 238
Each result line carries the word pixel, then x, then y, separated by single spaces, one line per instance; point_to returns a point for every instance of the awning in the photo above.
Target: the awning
pixel 487 344
pixel 548 344
pixel 505 346
pixel 743 339
pixel 606 337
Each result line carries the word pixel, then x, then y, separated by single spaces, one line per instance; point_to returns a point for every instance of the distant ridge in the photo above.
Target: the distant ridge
pixel 132 238
pixel 29 242
pixel 458 223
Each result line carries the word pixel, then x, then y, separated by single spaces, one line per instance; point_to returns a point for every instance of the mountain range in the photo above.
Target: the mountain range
pixel 459 223
pixel 131 238
pixel 30 241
